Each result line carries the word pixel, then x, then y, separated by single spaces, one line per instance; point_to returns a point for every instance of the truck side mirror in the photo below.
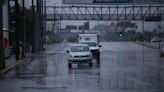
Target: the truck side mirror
pixel 100 46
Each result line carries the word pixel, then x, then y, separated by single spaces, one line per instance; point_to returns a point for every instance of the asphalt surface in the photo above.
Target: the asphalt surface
pixel 125 67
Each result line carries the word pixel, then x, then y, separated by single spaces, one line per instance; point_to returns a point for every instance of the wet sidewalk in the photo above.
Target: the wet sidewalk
pixel 149 44
pixel 122 69
pixel 11 63
pixel 162 71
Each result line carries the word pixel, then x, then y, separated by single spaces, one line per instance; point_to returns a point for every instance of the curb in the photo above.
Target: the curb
pixel 162 58
pixel 18 62
pixel 147 45
pixel 45 46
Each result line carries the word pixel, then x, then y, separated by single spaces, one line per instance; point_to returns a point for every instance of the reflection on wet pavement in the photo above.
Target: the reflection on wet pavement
pixel 122 69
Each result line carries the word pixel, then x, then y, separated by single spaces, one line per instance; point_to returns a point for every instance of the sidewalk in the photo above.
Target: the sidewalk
pixel 162 71
pixel 148 44
pixel 11 63
pixel 156 46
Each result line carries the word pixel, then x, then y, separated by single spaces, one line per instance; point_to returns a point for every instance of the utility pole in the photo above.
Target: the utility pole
pixel 41 11
pixel 33 28
pixel 44 32
pixel 38 26
pixel 17 29
pixel 45 8
pixel 2 61
pixel 36 43
pixel 24 36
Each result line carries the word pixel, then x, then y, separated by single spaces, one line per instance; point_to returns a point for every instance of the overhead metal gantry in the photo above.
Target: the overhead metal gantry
pixel 115 12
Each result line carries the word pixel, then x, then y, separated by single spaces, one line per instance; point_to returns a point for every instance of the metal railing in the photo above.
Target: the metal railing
pixel 115 12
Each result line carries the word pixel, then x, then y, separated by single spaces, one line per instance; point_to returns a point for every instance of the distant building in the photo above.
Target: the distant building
pixel 77 1
pixel 104 27
pixel 71 27
pixel 114 27
pixel 101 27
pixel 85 26
pixel 111 1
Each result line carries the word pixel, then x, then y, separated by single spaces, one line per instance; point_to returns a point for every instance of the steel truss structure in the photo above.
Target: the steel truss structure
pixel 126 12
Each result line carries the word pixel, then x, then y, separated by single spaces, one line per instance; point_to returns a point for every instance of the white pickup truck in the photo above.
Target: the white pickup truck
pixel 92 40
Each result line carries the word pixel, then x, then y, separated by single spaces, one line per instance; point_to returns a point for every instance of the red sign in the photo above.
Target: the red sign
pixel 5 43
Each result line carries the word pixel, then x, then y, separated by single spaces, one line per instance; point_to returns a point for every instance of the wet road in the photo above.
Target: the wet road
pixel 125 67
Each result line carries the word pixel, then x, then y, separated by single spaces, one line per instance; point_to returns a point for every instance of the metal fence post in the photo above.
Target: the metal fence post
pixel 17 30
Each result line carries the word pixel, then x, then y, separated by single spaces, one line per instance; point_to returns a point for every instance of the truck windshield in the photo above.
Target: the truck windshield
pixel 79 49
pixel 91 44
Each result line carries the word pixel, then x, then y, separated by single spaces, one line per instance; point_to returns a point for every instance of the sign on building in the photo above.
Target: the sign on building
pixel 111 1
